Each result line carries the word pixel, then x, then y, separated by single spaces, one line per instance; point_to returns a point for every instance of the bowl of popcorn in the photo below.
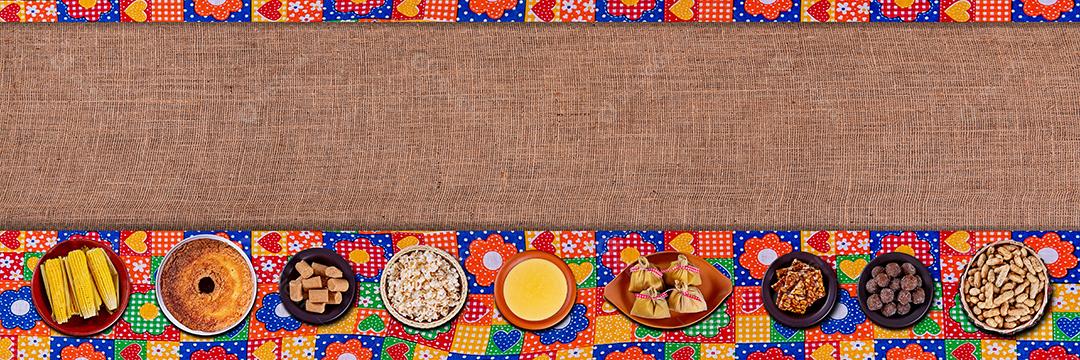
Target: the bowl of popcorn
pixel 423 287
pixel 1005 288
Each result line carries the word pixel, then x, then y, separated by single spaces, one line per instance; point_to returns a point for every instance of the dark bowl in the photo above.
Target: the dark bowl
pixel 819 309
pixel 917 311
pixel 325 257
pixel 77 326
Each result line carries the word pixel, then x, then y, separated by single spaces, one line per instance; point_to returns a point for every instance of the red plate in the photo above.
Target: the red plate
pixel 77 326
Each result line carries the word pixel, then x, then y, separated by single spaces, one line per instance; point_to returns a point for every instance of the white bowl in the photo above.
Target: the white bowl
pixel 165 309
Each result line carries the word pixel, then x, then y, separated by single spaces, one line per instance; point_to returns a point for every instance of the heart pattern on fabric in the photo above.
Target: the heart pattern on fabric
pixel 505 340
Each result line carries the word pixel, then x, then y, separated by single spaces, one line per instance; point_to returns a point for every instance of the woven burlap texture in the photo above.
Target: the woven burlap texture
pixel 435 126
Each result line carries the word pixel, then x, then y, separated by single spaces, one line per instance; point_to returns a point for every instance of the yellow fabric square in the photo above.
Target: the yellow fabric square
pixel 429 353
pixel 34 347
pixel 805 235
pixel 717 351
pixel 856 350
pixel 345 325
pixel 578 353
pixel 1043 332
pixel 300 347
pixel 1066 298
pixel 999 349
pixel 886 333
pixel 612 329
pixel 752 328
pixel 470 340
pixel 162 350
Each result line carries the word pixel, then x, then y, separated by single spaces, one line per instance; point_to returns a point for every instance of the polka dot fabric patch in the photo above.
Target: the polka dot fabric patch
pixel 594 329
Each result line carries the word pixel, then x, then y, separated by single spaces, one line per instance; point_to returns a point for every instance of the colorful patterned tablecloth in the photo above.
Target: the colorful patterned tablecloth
pixel 539 10
pixel 594 329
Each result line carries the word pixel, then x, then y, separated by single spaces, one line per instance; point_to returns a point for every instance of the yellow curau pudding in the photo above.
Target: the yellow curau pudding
pixel 535 289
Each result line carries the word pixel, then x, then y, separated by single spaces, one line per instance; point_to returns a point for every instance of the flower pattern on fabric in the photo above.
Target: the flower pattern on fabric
pixel 567 330
pixel 710 327
pixel 486 257
pixel 274 316
pixel 17 310
pixel 351 349
pixel 770 9
pixel 215 353
pixel 633 353
pixel 84 351
pixel 845 317
pixel 771 354
pixel 631 9
pixel 761 252
pixel 625 250
pixel 910 352
pixel 367 258
pixel 1056 253
pixel 218 9
pixel 907 10
pixel 492 8
pixel 91 10
pixel 1047 9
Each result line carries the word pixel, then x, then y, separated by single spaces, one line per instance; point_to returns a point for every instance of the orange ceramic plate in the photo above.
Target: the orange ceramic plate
pixel 568 303
pixel 715 287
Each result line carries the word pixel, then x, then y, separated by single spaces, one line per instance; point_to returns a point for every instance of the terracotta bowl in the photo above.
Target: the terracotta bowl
pixel 986 327
pixel 819 309
pixel 564 310
pixel 917 311
pixel 325 257
pixel 715 287
pixel 433 324
pixel 77 326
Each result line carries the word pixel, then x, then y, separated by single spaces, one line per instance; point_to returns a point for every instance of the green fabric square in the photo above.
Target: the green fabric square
pixel 957 314
pixel 28 272
pixel 155 263
pixel 389 342
pixel 144 314
pixel 841 264
pixel 1061 335
pixel 504 340
pixel 937 303
pixel 428 334
pixel 728 266
pixel 367 296
pixel 776 335
pixel 590 281
pixel 710 327
pixel 960 349
pixel 240 335
pixel 130 349
pixel 683 350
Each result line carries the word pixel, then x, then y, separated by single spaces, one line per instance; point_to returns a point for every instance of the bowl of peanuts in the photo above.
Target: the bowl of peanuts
pixel 1005 288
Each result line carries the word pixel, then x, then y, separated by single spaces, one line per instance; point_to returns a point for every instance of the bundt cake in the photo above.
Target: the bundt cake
pixel 206 285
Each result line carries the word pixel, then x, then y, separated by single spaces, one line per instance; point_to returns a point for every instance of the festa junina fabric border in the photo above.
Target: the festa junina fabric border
pixel 740 329
pixel 539 10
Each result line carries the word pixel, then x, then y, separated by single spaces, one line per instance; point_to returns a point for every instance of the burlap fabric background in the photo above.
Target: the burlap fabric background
pixel 522 126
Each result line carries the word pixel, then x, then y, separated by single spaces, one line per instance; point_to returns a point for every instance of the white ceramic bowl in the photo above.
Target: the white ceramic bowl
pixel 165 309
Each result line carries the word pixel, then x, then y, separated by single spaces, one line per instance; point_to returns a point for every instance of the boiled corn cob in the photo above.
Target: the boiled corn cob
pixel 56 289
pixel 86 298
pixel 105 277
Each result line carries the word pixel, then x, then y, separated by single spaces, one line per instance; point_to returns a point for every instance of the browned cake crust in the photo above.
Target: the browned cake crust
pixel 199 310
